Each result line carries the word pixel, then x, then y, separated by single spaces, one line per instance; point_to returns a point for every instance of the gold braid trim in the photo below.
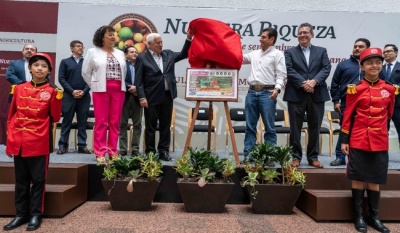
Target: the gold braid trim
pixel 351 89
pixel 397 89
pixel 60 93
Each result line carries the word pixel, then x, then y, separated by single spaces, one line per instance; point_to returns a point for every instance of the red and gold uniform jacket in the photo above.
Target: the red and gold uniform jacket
pixel 33 109
pixel 369 106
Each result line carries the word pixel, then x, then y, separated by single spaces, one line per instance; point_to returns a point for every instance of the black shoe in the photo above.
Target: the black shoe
pixel 338 162
pixel 16 222
pixel 34 223
pixel 165 156
pixel 122 153
pixel 84 150
pixel 62 151
pixel 135 153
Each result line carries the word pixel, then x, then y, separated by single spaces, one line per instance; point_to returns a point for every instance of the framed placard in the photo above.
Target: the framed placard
pixel 212 85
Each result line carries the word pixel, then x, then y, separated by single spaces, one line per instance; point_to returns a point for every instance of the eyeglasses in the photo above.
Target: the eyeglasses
pixel 79 46
pixel 388 51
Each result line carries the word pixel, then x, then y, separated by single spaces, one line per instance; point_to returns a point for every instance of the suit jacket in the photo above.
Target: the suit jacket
pixel 298 71
pixel 149 78
pixel 16 72
pixel 394 78
pixel 128 83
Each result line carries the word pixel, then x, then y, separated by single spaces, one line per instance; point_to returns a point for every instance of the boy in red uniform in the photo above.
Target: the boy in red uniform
pixel 370 105
pixel 34 107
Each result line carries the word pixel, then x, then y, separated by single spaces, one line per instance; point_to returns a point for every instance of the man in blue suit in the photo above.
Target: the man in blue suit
pixel 391 73
pixel 132 108
pixel 17 71
pixel 306 91
pixel 76 98
pixel 156 88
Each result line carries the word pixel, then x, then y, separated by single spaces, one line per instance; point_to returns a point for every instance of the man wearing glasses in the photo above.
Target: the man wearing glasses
pixel 76 98
pixel 306 91
pixel 391 73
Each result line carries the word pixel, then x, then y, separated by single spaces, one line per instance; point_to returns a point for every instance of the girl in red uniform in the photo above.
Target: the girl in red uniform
pixel 34 107
pixel 370 105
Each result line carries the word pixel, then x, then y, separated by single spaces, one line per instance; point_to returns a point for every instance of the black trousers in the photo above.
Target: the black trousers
pixel 30 200
pixel 159 114
pixel 315 114
pixel 70 105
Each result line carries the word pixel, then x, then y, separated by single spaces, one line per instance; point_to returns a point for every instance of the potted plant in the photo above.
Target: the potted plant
pixel 132 182
pixel 204 182
pixel 272 190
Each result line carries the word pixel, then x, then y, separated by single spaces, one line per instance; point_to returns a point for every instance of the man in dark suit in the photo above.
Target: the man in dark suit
pixel 132 106
pixel 306 92
pixel 156 87
pixel 76 98
pixel 17 71
pixel 391 73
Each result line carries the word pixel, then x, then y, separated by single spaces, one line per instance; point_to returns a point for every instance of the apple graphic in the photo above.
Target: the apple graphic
pixel 125 33
pixel 117 27
pixel 129 42
pixel 140 47
pixel 138 37
pixel 127 23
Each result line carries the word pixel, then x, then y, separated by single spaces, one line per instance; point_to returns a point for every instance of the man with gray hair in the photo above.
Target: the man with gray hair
pixel 156 90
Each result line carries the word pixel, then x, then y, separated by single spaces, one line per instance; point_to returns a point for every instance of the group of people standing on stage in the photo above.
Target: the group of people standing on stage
pixel 123 84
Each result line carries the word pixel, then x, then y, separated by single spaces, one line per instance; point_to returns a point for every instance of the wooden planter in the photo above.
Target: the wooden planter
pixel 274 198
pixel 208 199
pixel 140 199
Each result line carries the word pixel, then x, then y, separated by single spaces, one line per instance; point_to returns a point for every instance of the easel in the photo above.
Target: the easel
pixel 210 116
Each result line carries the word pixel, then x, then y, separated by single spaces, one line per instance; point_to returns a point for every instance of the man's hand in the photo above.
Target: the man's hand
pixel 309 85
pixel 132 89
pixel 190 34
pixel 77 94
pixel 143 103
pixel 345 149
pixel 336 107
pixel 274 94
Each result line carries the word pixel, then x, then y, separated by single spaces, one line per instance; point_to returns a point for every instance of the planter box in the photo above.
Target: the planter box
pixel 274 198
pixel 208 199
pixel 140 199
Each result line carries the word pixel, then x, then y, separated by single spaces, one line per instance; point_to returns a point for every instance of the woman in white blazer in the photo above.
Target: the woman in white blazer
pixel 104 70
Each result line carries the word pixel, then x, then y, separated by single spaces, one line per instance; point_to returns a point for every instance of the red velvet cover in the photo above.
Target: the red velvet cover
pixel 214 43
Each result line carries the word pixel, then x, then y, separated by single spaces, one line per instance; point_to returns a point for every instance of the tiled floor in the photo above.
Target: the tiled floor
pixel 167 217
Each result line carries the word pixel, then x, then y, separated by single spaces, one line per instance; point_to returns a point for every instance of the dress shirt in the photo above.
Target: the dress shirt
pixel 28 75
pixel 306 52
pixel 77 59
pixel 159 61
pixel 267 67
pixel 132 69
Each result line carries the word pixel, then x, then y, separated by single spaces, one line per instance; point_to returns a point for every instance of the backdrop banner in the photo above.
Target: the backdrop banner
pixel 336 31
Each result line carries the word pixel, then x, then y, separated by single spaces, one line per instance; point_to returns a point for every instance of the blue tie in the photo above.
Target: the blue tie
pixel 388 71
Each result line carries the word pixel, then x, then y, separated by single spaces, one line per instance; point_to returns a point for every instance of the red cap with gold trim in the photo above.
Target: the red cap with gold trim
pixel 370 52
pixel 46 56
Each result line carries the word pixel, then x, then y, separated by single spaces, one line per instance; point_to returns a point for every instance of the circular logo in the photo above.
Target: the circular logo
pixel 384 93
pixel 374 51
pixel 45 95
pixel 132 30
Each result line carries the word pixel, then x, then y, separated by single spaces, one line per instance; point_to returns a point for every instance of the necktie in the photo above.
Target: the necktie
pixel 388 71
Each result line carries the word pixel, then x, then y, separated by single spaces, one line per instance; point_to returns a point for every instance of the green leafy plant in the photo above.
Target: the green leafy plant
pixel 256 167
pixel 202 166
pixel 147 167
